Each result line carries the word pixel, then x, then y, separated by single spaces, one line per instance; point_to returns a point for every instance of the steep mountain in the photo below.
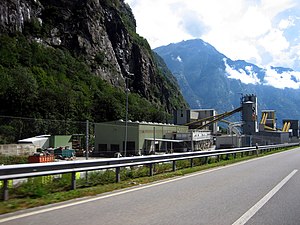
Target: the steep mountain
pixel 72 60
pixel 209 79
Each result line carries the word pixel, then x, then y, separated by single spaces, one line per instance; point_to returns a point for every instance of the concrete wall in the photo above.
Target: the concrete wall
pixel 227 141
pixel 269 138
pixel 233 141
pixel 17 149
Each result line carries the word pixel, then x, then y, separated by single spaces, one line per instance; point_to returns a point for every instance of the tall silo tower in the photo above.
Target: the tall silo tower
pixel 249 114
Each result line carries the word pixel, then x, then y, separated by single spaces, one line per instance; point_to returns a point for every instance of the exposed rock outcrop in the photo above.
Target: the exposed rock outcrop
pixel 102 32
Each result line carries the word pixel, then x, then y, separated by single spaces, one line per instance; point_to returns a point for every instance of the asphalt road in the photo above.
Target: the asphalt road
pixel 261 191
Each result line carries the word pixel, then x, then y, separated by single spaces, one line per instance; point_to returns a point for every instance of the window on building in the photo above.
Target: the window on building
pixel 114 148
pixel 102 147
pixel 130 145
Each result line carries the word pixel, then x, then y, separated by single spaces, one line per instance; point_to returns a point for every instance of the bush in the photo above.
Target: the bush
pixel 99 178
pixel 33 188
pixel 10 160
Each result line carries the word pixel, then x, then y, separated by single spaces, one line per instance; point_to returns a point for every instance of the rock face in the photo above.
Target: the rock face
pixel 14 13
pixel 102 32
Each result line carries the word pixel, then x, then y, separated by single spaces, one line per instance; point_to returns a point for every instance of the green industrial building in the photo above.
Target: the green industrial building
pixel 142 138
pixel 47 141
pixel 57 141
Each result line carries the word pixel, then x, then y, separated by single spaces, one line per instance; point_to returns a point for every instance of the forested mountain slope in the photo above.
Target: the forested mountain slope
pixel 69 61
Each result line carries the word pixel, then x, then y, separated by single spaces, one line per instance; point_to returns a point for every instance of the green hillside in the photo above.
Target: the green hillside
pixel 56 89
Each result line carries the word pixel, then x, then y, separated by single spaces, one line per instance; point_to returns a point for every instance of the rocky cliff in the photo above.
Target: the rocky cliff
pixel 102 33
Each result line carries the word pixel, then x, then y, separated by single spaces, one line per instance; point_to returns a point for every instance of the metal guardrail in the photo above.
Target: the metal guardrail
pixel 10 172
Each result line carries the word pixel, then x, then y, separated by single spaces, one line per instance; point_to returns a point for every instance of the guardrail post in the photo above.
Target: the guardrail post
pixel 227 156
pixel 118 176
pixel 5 190
pixel 192 162
pixel 151 169
pixel 174 166
pixel 73 181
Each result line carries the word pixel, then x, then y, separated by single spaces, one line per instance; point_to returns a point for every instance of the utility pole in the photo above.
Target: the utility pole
pixel 87 140
pixel 126 120
pixel 154 140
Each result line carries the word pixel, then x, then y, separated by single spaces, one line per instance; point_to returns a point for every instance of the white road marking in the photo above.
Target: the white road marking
pixel 125 191
pixel 251 212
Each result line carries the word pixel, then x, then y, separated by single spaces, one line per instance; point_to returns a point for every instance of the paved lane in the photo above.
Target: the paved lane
pixel 283 208
pixel 220 196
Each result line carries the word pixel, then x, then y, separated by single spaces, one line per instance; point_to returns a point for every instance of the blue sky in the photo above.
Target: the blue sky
pixel 263 32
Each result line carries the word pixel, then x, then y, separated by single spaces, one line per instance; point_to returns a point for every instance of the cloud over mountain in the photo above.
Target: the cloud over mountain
pixel 276 77
pixel 263 32
pixel 285 79
pixel 246 75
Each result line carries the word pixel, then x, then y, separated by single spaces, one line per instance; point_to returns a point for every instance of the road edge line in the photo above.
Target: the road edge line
pixel 254 209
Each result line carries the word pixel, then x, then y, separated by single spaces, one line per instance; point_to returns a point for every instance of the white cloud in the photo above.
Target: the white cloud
pixel 158 22
pixel 240 29
pixel 289 59
pixel 282 80
pixel 287 79
pixel 286 23
pixel 246 76
pixel 274 42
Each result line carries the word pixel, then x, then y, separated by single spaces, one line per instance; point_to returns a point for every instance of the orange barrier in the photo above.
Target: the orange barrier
pixel 40 158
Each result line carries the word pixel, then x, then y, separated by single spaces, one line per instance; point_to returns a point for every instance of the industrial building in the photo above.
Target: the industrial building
pixel 196 118
pixel 291 126
pixel 193 131
pixel 264 133
pixel 47 141
pixel 247 132
pixel 268 120
pixel 146 138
